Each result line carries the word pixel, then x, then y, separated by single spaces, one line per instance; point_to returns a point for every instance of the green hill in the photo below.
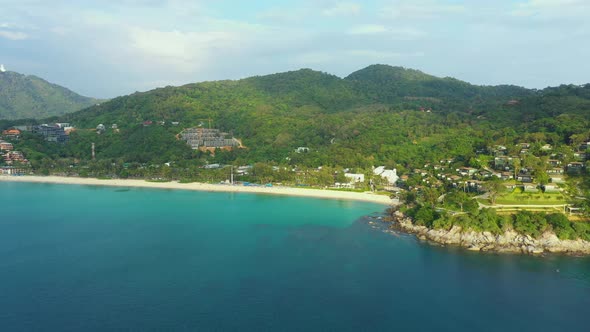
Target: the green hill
pixel 378 115
pixel 32 97
pixel 412 88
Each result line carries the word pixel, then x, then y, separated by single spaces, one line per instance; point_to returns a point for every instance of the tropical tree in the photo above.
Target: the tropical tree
pixel 494 188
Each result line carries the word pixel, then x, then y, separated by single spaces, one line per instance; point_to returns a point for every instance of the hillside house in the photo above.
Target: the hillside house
pixel 302 149
pixel 466 171
pixel 550 188
pixel 473 185
pixel 574 167
pixel 212 166
pixel 5 146
pixel 11 133
pixel 524 176
pixel 422 172
pixel 506 176
pixel 500 150
pixel 580 156
pixel 555 171
pixel 503 162
pixel 243 170
pixel 556 178
pixel 15 156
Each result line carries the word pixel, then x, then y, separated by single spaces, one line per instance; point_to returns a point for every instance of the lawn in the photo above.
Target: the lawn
pixel 517 197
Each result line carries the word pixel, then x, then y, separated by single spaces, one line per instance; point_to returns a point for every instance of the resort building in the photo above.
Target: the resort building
pixel 11 170
pixel 388 174
pixel 355 178
pixel 207 139
pixel 51 133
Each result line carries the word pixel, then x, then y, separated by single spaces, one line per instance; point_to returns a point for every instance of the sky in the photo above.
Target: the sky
pixel 104 48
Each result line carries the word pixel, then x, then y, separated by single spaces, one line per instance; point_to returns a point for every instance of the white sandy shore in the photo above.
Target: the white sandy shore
pixel 319 193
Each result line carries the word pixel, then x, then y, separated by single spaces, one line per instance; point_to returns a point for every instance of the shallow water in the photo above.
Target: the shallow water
pixel 85 258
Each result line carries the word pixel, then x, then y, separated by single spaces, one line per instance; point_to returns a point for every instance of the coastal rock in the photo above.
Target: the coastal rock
pixel 507 242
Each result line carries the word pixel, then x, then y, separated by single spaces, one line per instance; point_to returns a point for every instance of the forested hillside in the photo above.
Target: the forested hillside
pixel 32 97
pixel 378 115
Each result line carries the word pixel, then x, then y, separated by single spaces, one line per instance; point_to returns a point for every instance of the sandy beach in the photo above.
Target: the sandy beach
pixel 289 191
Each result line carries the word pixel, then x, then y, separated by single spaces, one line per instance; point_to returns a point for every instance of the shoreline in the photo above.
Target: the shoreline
pixel 508 242
pixel 205 187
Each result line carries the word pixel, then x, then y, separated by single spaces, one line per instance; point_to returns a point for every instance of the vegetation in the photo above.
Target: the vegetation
pixel 32 97
pixel 488 220
pixel 380 115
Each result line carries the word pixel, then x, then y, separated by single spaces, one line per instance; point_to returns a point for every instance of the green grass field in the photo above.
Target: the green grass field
pixel 518 197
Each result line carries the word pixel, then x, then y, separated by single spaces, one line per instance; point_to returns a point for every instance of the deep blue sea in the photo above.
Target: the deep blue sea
pixel 81 258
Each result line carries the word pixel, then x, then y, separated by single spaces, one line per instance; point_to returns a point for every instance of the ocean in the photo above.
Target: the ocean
pixel 81 258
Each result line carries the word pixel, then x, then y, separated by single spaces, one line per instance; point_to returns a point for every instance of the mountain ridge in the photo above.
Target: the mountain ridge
pixel 29 96
pixel 307 90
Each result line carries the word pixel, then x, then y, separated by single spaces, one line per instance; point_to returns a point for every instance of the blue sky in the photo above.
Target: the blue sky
pixel 105 48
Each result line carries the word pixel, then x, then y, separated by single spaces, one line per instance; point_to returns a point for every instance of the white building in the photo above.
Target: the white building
pixel 355 178
pixel 302 149
pixel 389 174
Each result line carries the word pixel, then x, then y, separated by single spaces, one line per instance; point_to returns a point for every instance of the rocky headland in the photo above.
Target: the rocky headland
pixel 508 242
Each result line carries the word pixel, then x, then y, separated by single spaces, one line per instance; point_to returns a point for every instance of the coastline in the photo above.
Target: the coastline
pixel 205 187
pixel 507 242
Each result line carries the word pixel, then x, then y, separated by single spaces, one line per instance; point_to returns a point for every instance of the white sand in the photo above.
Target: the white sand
pixel 319 193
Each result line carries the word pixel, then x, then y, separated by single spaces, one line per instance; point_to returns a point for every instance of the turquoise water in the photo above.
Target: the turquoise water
pixel 76 258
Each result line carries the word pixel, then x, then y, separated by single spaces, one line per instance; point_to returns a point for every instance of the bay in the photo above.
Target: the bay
pixel 80 258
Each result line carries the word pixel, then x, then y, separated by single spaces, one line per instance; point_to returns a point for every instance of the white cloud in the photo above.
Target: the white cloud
pixel 183 50
pixel 402 33
pixel 313 58
pixel 13 35
pixel 551 9
pixel 343 9
pixel 382 55
pixel 367 29
pixel 422 9
pixel 281 15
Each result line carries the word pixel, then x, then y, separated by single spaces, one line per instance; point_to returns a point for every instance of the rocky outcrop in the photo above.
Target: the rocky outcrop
pixel 510 241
